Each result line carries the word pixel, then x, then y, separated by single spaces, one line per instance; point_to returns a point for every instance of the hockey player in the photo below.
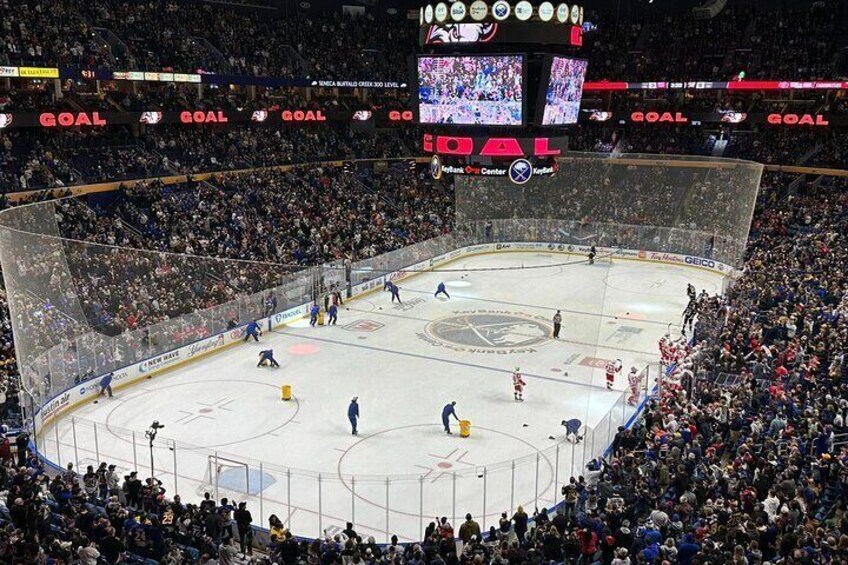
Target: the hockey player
pixel 441 290
pixel 557 324
pixel 253 331
pixel 518 385
pixel 689 315
pixel 270 305
pixel 572 430
pixel 592 253
pixel 690 291
pixel 395 293
pixel 106 385
pixel 448 411
pixel 612 368
pixel 313 314
pixel 665 350
pixel 332 314
pixel 634 379
pixel 266 358
pixel 353 414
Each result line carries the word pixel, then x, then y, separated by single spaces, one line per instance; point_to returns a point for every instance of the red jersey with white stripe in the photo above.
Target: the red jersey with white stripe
pixel 612 368
pixel 518 382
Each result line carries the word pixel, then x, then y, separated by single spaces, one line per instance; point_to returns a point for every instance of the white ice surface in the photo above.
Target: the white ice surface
pixel 390 357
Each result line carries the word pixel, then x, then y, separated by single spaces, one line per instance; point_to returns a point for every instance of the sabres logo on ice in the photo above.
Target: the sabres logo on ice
pixel 520 171
pixel 486 332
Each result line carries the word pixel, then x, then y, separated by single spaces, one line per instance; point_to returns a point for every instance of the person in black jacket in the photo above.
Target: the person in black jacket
pixel 243 520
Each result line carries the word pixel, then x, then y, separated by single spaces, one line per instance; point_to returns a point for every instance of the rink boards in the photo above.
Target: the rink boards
pixel 298 459
pixel 154 366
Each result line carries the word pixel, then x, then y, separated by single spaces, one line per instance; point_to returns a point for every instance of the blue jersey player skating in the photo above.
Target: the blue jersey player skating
pixel 353 414
pixel 395 293
pixel 253 331
pixel 441 290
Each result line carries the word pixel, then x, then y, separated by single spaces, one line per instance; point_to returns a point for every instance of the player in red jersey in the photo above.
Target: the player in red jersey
pixel 634 380
pixel 612 368
pixel 518 385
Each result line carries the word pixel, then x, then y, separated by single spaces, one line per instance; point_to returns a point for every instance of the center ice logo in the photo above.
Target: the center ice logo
pixel 489 330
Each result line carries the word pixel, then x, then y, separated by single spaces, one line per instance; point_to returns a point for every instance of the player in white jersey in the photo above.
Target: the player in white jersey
pixel 613 367
pixel 518 385
pixel 634 380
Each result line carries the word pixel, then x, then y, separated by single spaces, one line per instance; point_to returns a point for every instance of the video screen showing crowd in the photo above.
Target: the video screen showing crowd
pixel 565 89
pixel 471 90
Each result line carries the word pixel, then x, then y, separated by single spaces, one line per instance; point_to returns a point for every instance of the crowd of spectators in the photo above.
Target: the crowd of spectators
pixel 34 160
pixel 157 35
pixel 740 461
pixel 40 32
pixel 208 37
pixel 304 216
pixel 249 146
pixel 676 46
pixel 747 470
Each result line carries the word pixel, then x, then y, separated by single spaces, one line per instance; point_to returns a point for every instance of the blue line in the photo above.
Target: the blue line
pixel 549 309
pixel 440 360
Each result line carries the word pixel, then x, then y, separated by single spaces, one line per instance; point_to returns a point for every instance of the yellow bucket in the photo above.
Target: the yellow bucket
pixel 464 428
pixel 285 392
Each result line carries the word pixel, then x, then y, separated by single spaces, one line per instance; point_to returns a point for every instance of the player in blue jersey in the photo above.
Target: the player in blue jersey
pixel 106 384
pixel 253 331
pixel 353 414
pixel 448 411
pixel 266 358
pixel 441 290
pixel 395 293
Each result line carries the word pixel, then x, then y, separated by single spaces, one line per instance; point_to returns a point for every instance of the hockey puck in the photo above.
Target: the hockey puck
pixel 96 401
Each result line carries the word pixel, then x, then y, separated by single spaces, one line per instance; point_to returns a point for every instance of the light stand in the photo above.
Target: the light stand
pixel 150 434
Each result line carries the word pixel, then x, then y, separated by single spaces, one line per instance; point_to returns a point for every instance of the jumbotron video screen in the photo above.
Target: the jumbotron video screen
pixel 563 91
pixel 471 90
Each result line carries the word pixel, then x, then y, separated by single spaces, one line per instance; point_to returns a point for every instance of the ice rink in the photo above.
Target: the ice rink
pixel 228 432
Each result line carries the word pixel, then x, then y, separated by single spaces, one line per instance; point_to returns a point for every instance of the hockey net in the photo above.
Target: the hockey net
pixel 223 475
